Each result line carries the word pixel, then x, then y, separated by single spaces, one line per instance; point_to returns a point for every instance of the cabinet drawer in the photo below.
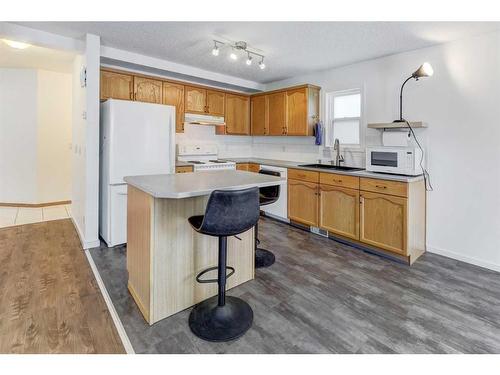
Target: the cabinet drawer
pixel 397 188
pixel 298 174
pixel 341 180
pixel 186 169
pixel 252 167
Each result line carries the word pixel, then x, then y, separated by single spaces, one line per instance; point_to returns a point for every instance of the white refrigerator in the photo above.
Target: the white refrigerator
pixel 135 139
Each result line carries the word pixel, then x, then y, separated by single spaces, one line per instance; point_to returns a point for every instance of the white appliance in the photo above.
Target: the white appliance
pixel 396 160
pixel 278 209
pixel 135 139
pixel 203 157
pixel 197 119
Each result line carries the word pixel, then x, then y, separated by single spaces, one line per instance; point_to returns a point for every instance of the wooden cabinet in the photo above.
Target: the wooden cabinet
pixel 339 210
pixel 195 99
pixel 383 221
pixel 237 114
pixel 249 167
pixel 216 101
pixel 260 115
pixel 303 202
pixel 116 85
pixel 277 113
pixel 353 208
pixel 184 169
pixel 173 94
pixel 292 111
pixel 148 90
pixel 203 101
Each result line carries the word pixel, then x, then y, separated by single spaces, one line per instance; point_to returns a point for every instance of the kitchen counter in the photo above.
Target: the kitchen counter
pixel 185 185
pixel 164 253
pixel 295 165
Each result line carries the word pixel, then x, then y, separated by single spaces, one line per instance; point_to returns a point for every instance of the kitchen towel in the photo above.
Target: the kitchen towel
pixel 318 132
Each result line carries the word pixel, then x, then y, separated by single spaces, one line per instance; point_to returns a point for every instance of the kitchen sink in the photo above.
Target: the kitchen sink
pixel 330 166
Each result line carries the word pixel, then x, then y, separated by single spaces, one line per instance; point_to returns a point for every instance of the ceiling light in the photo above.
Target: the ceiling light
pixel 249 60
pixel 233 56
pixel 233 53
pixel 17 45
pixel 262 66
pixel 215 50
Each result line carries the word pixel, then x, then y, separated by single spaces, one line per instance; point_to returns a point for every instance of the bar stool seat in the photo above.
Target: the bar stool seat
pixel 228 213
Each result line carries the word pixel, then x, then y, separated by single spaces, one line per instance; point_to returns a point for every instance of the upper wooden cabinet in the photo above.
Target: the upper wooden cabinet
pixel 291 111
pixel 195 99
pixel 116 85
pixel 173 94
pixel 207 102
pixel 148 90
pixel 277 113
pixel 216 103
pixel 259 115
pixel 237 114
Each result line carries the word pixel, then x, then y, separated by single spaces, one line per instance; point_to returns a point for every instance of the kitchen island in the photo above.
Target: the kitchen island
pixel 164 253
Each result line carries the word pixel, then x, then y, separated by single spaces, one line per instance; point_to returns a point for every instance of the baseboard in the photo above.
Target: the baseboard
pixel 85 244
pixel 34 205
pixel 464 258
pixel 109 303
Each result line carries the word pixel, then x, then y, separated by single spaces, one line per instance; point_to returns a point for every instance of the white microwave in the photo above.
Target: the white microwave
pixel 397 160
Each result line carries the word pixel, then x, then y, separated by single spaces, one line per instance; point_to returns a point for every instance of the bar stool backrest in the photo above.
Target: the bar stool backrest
pixel 230 212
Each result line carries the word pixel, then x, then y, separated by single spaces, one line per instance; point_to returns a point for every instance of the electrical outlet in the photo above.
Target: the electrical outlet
pixel 84 115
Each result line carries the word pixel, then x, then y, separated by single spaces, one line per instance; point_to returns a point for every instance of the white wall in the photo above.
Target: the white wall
pixel 54 136
pixel 18 135
pixel 460 104
pixel 35 127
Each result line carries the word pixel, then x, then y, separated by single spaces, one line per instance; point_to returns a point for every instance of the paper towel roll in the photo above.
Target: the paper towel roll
pixel 395 138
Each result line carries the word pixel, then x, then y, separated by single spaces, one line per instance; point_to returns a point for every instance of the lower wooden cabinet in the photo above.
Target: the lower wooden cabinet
pixel 184 169
pixel 339 211
pixel 303 198
pixel 383 221
pixel 249 167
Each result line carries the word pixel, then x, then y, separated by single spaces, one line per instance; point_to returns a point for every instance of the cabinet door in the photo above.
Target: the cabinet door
pixel 173 94
pixel 216 103
pixel 260 115
pixel 383 221
pixel 303 202
pixel 116 85
pixel 148 90
pixel 339 210
pixel 237 114
pixel 297 112
pixel 195 99
pixel 277 113
pixel 242 166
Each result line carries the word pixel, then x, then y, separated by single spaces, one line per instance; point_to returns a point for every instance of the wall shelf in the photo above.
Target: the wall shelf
pixel 397 125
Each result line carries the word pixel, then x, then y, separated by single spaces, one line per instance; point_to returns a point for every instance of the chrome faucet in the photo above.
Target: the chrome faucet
pixel 338 157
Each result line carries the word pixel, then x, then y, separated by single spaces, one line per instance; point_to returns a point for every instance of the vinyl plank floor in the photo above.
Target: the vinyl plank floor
pixel 49 298
pixel 325 297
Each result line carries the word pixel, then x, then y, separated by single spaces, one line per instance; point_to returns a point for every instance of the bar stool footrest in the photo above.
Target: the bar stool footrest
pixel 206 281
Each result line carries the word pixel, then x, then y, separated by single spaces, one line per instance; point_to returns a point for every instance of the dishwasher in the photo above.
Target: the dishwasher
pixel 278 209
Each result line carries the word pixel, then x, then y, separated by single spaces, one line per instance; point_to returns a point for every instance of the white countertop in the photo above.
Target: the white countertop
pixel 185 185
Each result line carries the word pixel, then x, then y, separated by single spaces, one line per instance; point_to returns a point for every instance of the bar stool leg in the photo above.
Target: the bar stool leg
pixel 263 257
pixel 221 318
pixel 221 277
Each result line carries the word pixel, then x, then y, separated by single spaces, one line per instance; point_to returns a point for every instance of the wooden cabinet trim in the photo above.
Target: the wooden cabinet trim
pixel 285 89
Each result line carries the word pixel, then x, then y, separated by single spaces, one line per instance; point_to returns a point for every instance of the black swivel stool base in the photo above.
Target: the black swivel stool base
pixel 263 258
pixel 212 322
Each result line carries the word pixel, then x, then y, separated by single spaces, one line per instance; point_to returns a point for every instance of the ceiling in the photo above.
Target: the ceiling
pixel 35 57
pixel 291 48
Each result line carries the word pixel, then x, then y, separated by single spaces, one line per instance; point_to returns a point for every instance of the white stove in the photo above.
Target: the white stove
pixel 203 157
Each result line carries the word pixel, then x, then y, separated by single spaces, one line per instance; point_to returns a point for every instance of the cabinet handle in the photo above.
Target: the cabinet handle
pixel 135 96
pixel 381 186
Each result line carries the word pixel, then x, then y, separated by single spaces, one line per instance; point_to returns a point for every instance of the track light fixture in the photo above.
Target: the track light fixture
pixel 235 47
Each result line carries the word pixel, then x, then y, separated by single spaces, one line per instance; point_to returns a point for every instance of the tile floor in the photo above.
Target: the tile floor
pixel 10 216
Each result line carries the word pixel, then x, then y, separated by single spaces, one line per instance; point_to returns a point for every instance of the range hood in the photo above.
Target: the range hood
pixel 196 119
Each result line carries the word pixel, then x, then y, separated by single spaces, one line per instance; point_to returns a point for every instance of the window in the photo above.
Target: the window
pixel 344 118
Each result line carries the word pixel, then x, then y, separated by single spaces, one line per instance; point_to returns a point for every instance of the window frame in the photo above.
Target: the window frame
pixel 330 113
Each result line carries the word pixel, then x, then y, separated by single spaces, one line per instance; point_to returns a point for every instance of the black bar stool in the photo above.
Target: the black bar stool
pixel 267 195
pixel 228 213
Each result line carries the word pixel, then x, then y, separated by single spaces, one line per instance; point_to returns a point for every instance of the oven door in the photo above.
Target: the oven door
pixel 380 160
